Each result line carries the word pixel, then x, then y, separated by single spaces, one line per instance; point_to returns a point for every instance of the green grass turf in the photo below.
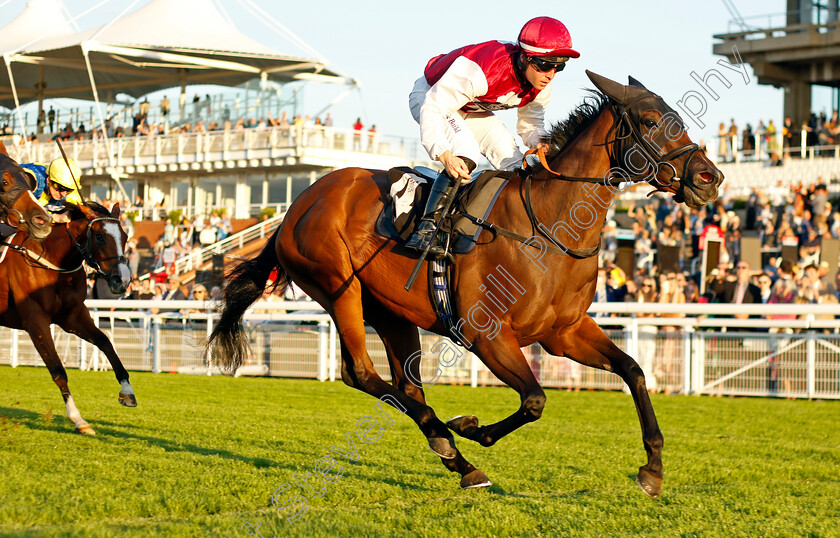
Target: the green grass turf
pixel 202 456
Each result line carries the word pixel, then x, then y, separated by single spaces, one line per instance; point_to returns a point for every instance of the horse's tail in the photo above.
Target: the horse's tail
pixel 246 282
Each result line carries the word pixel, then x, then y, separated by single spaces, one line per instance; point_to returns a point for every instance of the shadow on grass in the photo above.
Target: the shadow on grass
pixel 36 421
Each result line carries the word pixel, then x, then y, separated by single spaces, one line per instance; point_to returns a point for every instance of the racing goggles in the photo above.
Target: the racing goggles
pixel 541 64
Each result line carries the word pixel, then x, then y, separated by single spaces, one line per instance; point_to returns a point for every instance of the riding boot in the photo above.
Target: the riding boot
pixel 443 187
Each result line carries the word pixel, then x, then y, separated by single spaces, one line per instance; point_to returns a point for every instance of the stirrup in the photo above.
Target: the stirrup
pixel 420 239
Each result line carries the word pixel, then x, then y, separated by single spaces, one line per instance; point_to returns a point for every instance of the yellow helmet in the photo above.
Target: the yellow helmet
pixel 60 173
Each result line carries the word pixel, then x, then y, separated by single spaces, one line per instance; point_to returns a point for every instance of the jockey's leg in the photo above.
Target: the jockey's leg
pixel 442 189
pixel 495 142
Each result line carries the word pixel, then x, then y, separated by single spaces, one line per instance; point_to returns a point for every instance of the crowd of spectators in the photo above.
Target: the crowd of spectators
pixel 786 215
pixel 204 118
pixel 770 141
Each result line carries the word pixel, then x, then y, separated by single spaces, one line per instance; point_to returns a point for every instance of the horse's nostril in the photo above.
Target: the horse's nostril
pixel 706 177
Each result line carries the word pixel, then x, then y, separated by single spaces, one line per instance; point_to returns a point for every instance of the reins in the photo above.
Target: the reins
pixel 85 253
pixel 621 120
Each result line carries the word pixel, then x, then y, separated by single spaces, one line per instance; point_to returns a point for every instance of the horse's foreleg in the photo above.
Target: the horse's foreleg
pixel 587 344
pixel 402 345
pixel 504 358
pixel 81 324
pixel 39 332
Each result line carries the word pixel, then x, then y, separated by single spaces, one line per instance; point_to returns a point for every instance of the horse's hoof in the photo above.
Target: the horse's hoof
pixel 649 482
pixel 128 400
pixel 475 479
pixel 85 429
pixel 463 426
pixel 443 447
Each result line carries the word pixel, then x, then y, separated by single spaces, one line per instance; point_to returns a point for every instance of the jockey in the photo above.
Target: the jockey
pixel 455 98
pixel 55 184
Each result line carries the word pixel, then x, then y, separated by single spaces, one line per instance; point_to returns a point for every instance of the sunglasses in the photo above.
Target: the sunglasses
pixel 546 66
pixel 60 188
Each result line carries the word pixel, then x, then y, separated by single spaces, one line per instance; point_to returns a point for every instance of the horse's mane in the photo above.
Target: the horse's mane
pixel 76 213
pixel 582 116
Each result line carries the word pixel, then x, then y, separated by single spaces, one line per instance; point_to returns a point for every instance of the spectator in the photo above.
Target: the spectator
pixel 357 134
pixel 738 291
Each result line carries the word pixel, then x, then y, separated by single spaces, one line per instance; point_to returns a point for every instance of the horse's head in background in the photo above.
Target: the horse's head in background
pixel 101 240
pixel 649 142
pixel 18 206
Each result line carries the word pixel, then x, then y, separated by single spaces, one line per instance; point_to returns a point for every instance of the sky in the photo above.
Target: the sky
pixel 386 44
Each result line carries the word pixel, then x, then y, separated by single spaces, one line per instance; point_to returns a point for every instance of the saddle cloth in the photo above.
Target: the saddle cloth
pixel 407 200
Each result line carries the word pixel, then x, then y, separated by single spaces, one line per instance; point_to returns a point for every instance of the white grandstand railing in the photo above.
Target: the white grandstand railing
pixel 690 354
pixel 198 257
pixel 201 148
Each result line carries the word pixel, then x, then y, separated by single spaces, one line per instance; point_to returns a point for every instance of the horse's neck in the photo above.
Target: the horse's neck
pixel 575 211
pixel 60 245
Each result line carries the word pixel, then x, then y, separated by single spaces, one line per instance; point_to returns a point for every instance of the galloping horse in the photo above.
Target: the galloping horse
pixel 44 283
pixel 513 294
pixel 18 206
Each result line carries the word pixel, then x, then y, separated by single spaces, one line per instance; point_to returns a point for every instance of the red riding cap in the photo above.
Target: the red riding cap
pixel 544 36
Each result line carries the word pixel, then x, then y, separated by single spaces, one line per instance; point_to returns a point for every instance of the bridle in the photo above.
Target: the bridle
pixel 651 152
pixel 85 251
pixel 624 130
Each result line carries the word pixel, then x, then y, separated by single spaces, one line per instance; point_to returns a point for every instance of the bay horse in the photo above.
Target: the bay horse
pixel 18 207
pixel 44 282
pixel 511 294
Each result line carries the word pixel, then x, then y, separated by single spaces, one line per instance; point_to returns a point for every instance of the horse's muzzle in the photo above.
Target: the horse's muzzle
pixel 119 279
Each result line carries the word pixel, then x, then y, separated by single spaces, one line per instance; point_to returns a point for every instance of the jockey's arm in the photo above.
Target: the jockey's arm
pixel 462 82
pixel 530 124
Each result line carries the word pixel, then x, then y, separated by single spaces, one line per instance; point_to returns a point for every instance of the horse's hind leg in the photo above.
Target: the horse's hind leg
pixel 504 358
pixel 587 344
pixel 402 342
pixel 39 332
pixel 81 324
pixel 357 368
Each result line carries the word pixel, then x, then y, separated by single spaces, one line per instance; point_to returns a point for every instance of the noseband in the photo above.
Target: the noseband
pixel 86 250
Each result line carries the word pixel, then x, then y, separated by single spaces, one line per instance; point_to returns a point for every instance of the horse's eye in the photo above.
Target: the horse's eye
pixel 100 238
pixel 649 123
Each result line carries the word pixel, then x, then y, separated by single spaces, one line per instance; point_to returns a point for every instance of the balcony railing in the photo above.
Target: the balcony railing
pixel 201 149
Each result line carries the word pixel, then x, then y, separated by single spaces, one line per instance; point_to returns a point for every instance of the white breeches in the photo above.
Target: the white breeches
pixel 473 135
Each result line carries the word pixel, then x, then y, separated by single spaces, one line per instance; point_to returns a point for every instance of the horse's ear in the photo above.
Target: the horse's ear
pixel 614 90
pixel 115 211
pixel 634 82
pixel 3 149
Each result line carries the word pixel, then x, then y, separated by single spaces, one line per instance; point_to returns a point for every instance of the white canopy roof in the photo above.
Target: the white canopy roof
pixel 38 17
pixel 163 44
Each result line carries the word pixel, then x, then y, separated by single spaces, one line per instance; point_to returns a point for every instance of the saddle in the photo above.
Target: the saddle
pixel 403 210
pixel 409 190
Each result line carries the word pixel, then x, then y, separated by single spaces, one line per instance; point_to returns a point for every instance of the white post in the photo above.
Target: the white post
pixel 811 354
pixel 687 340
pixel 698 363
pixel 473 370
pixel 333 339
pixel 156 346
pixel 323 349
pixel 15 348
pixel 209 357
pixel 94 350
